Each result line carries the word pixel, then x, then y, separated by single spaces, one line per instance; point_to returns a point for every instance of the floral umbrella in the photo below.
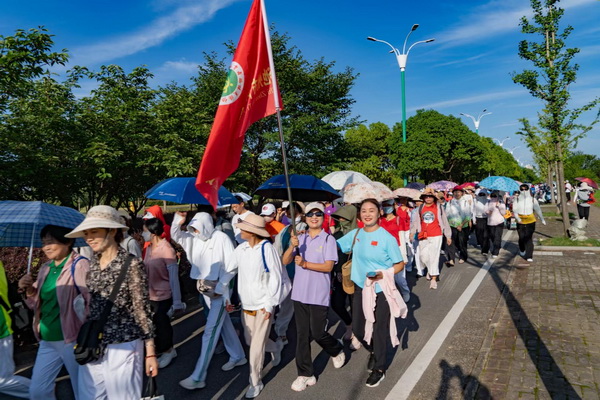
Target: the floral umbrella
pixel 416 185
pixel 357 192
pixel 442 185
pixel 407 192
pixel 339 179
pixel 501 183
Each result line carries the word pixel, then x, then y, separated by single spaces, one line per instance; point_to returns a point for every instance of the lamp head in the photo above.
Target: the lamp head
pixel 372 39
pixel 414 27
pixel 430 40
pixel 484 110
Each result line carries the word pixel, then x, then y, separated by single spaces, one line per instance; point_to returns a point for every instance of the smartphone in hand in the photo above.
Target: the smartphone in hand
pixel 371 274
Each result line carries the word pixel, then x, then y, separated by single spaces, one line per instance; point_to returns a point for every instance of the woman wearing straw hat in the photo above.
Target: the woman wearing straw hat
pixel 59 289
pixel 129 328
pixel 260 288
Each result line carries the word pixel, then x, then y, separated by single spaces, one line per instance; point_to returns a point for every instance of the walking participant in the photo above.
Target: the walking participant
pixel 582 198
pixel 495 210
pixel 163 280
pixel 260 287
pixel 431 225
pixel 376 259
pixel 391 223
pixel 57 314
pixel 209 251
pixel 459 212
pixel 241 212
pixel 314 254
pixel 10 384
pixel 404 211
pixel 414 237
pixel 273 226
pixel 524 208
pixel 117 375
pixel 480 216
pixel 568 190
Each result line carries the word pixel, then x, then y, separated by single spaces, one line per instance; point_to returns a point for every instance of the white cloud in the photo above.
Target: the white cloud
pixel 188 67
pixel 492 19
pixel 155 33
pixel 471 100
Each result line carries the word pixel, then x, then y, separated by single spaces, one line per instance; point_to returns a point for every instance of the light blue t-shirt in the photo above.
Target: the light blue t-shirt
pixel 372 251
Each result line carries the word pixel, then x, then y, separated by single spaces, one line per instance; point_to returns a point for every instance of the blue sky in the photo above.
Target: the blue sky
pixel 465 70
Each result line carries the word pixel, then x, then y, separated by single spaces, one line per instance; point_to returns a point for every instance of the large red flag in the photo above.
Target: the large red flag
pixel 248 95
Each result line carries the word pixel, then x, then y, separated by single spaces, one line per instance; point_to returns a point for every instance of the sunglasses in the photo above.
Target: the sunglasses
pixel 315 214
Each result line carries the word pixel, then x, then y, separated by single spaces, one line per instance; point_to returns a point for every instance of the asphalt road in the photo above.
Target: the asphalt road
pixel 442 331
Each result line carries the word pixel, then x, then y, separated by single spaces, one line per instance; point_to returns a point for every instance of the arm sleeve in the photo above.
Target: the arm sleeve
pixel 393 251
pixel 537 209
pixel 227 255
pixel 81 271
pixel 330 253
pixel 140 303
pixel 275 276
pixel 133 247
pixel 173 269
pixel 180 236
pixel 345 242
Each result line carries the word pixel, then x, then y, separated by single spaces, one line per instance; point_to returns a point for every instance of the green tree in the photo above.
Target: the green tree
pixel 549 81
pixel 24 57
pixel 580 164
pixel 438 147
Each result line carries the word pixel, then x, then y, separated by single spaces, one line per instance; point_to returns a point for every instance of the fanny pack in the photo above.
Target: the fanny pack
pixel 207 287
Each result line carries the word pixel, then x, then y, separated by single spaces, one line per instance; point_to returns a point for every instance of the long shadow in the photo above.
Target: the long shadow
pixel 551 375
pixel 450 372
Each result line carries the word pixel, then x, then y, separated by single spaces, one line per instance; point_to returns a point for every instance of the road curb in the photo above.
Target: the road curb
pixel 566 248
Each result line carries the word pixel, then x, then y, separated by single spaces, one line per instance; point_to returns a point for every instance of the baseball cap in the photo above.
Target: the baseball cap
pixel 267 209
pixel 315 205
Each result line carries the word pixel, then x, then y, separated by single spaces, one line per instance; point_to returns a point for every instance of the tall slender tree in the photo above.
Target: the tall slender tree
pixel 554 71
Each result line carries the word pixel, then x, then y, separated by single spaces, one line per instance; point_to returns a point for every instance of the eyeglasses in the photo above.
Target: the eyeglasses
pixel 315 214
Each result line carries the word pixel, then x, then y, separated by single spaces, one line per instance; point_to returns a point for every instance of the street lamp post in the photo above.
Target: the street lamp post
pixel 402 58
pixel 478 119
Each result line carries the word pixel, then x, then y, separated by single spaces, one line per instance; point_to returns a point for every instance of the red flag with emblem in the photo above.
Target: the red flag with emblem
pixel 250 94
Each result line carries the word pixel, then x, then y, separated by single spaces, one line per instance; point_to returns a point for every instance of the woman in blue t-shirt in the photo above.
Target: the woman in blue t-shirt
pixel 374 249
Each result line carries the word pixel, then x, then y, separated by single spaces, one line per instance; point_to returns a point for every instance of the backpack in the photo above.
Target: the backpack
pixel 286 284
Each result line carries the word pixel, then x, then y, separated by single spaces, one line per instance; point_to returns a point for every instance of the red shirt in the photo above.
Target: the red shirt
pixel 430 222
pixel 404 219
pixel 392 226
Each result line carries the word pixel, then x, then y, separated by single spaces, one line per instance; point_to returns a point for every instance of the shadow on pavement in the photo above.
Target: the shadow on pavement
pixel 450 372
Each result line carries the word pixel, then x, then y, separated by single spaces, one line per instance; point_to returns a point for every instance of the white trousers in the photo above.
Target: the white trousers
pixel 284 316
pixel 256 332
pixel 116 376
pixel 417 256
pixel 217 323
pixel 429 252
pixel 51 356
pixel 11 384
pixel 406 249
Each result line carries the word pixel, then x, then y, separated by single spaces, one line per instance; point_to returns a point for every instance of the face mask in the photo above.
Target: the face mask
pixel 388 210
pixel 298 219
pixel 147 236
pixel 268 219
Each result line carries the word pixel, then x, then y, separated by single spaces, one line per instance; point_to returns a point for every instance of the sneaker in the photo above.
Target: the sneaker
pixel 495 256
pixel 433 284
pixel 522 254
pixel 484 254
pixel 166 358
pixel 375 378
pixel 254 391
pixel 355 344
pixel 231 364
pixel 461 261
pixel 406 297
pixel 371 362
pixel 302 382
pixel 283 340
pixel 530 260
pixel 191 384
pixel 340 359
pixel 420 272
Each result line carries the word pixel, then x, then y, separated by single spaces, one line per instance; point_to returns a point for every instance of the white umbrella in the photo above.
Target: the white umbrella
pixel 339 179
pixel 357 192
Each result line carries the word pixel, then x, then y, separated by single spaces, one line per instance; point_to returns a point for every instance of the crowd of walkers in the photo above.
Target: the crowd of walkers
pixel 286 262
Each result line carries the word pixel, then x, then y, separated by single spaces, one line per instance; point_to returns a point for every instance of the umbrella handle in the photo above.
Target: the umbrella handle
pixel 31 248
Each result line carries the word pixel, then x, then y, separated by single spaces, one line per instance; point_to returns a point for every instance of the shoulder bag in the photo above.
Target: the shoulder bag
pixel 89 346
pixel 347 283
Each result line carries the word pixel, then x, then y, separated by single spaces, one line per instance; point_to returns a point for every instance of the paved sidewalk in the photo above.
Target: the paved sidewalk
pixel 544 337
pixel 554 225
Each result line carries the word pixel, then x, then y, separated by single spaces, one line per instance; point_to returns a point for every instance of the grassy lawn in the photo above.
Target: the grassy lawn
pixel 556 214
pixel 565 241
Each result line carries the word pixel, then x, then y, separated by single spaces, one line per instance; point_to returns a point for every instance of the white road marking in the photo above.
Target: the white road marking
pixel 416 369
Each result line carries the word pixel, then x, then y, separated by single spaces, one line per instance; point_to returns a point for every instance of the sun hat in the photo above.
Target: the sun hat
pixel 584 185
pixel 254 224
pixel 428 192
pixel 267 209
pixel 98 217
pixel 315 205
pixel 285 204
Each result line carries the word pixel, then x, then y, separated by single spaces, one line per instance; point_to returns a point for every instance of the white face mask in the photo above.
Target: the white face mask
pixel 147 236
pixel 268 219
pixel 298 219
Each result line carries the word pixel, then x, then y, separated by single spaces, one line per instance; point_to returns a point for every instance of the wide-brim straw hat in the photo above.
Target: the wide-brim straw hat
pixel 98 217
pixel 254 224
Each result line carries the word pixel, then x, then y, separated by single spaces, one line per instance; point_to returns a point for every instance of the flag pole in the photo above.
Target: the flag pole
pixel 278 110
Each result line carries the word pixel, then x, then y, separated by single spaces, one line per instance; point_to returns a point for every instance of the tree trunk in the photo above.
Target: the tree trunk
pixel 560 186
pixel 549 183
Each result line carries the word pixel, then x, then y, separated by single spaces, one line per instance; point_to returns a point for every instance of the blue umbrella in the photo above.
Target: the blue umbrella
pixel 183 191
pixel 501 183
pixel 416 185
pixel 22 221
pixel 303 187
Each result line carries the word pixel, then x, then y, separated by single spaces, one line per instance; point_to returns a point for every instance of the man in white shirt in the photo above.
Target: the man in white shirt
pixel 241 212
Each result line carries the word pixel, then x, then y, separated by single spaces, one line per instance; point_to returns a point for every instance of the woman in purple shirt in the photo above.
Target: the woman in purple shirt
pixel 315 254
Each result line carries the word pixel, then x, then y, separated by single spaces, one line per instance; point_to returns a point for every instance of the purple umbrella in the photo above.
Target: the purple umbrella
pixel 416 185
pixel 442 185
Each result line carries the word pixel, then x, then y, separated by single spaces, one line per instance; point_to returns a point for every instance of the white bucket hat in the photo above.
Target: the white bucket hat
pixel 98 217
pixel 255 224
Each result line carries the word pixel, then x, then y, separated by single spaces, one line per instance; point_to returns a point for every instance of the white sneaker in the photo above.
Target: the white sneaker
pixel 530 260
pixel 254 391
pixel 302 382
pixel 339 360
pixel 406 297
pixel 494 256
pixel 231 364
pixel 166 358
pixel 191 384
pixel 355 344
